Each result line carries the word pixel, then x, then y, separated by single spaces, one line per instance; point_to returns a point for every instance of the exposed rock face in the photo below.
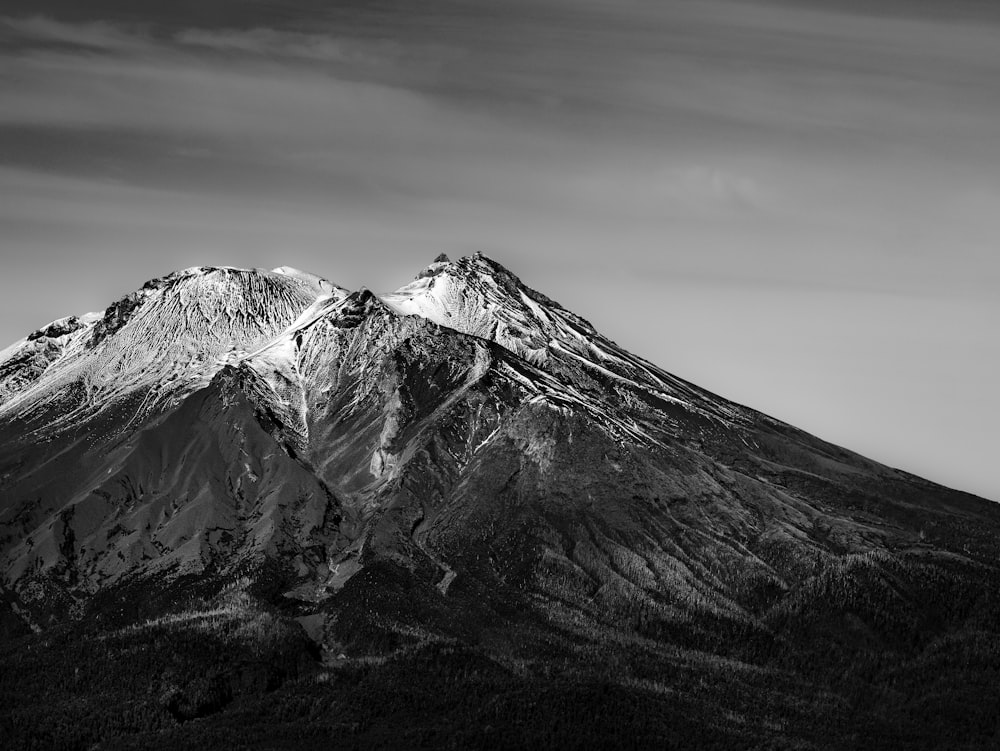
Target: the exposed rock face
pixel 466 430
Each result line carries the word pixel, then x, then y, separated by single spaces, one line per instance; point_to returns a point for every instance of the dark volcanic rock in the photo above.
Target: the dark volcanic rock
pixel 252 457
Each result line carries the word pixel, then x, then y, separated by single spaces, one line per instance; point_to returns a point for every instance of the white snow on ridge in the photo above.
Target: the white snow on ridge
pixel 26 361
pixel 475 296
pixel 324 287
pixel 171 336
pixel 468 296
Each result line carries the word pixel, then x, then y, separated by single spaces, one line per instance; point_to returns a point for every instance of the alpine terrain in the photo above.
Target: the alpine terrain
pixel 252 509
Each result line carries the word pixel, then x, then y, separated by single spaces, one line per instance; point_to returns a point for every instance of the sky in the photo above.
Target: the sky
pixel 793 204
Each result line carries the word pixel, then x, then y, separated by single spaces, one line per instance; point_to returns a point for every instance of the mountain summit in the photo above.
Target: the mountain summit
pixel 465 464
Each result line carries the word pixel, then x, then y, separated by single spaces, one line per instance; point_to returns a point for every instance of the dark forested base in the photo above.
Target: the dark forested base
pixel 848 662
pixel 87 694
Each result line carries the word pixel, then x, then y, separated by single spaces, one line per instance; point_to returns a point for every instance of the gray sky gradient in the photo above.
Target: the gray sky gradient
pixel 795 204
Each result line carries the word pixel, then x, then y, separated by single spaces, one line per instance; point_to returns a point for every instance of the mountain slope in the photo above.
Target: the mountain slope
pixel 465 464
pixel 157 342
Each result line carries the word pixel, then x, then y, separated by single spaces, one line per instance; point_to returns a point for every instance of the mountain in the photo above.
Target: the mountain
pixel 455 515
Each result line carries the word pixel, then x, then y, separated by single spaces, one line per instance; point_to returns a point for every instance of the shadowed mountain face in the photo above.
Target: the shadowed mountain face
pixel 464 465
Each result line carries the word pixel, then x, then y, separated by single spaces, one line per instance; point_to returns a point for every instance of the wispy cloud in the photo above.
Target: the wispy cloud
pixel 100 35
pixel 692 120
pixel 273 43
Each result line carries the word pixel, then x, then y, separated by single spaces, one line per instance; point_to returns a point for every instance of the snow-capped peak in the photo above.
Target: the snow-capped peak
pixel 162 340
pixel 478 296
pixel 176 332
pixel 324 287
